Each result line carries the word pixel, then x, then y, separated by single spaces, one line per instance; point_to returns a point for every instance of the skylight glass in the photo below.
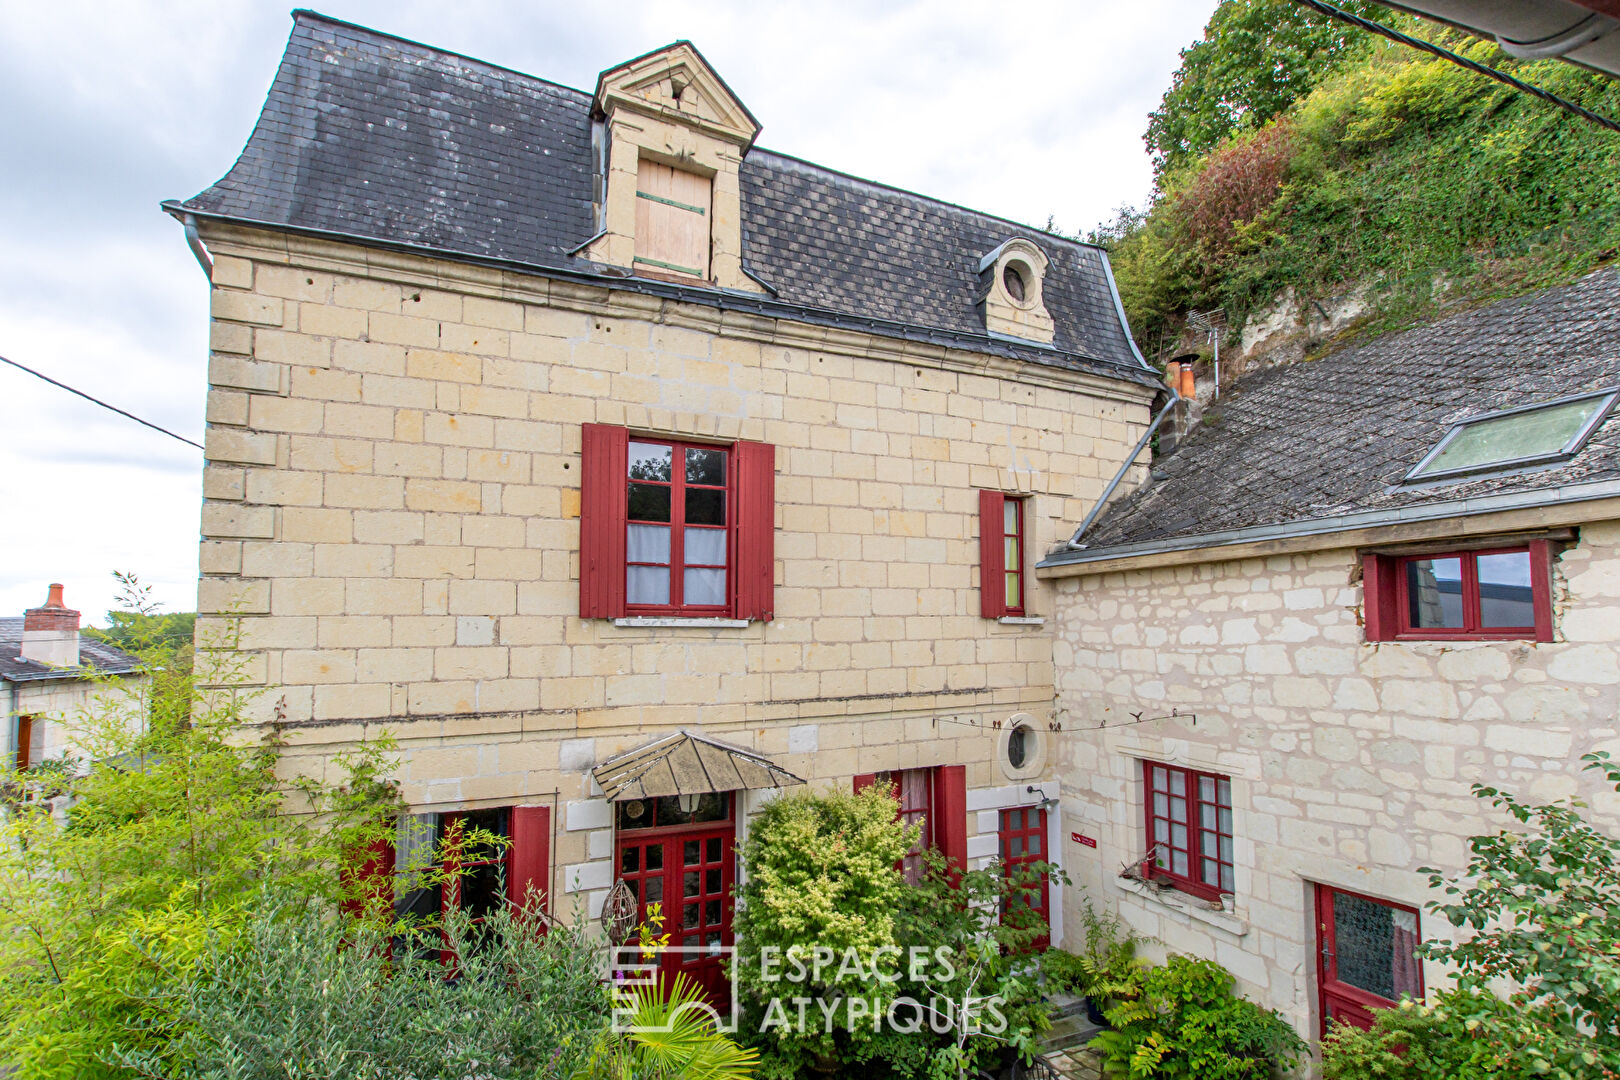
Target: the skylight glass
pixel 1532 435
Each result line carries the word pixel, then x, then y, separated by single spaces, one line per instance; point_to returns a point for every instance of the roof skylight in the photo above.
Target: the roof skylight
pixel 1541 434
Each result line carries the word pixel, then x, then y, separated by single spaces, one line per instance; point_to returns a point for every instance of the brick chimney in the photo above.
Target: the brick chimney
pixel 51 632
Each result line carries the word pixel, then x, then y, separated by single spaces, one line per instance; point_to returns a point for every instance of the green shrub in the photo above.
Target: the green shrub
pixel 1185 1023
pixel 1462 1035
pixel 1106 968
pixel 822 871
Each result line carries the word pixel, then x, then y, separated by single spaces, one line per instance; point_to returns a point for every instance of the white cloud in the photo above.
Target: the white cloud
pixel 1026 111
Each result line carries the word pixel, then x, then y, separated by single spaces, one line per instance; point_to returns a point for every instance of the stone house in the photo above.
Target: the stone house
pixel 1360 585
pixel 625 472
pixel 45 680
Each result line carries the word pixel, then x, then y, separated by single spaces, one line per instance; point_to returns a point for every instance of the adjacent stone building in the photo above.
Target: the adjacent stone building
pixel 625 472
pixel 48 675
pixel 1362 584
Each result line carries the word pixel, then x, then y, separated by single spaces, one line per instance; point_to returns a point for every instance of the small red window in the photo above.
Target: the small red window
pixel 1002 582
pixel 1189 829
pixel 1489 593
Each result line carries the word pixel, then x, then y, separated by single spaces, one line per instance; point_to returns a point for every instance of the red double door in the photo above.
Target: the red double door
pixel 1366 956
pixel 690 872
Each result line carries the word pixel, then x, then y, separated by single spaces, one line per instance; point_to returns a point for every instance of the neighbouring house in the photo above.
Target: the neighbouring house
pixel 1361 584
pixel 47 671
pixel 626 472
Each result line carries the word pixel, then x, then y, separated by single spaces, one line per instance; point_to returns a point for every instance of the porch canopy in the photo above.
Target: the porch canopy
pixel 687 764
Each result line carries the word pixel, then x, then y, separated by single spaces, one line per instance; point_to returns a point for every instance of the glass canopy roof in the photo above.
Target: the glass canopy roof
pixel 1531 435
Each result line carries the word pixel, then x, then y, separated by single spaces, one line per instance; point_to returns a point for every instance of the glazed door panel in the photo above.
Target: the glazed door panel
pixel 1366 956
pixel 691 874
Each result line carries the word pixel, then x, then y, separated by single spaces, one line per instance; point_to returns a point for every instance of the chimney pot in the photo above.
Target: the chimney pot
pixel 51 632
pixel 1189 386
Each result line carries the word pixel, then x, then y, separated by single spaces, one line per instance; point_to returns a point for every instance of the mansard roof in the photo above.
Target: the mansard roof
pixel 369 137
pixel 1326 444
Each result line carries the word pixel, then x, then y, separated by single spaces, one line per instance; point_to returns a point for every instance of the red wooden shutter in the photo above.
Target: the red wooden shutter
pixel 603 499
pixel 950 812
pixel 1379 598
pixel 367 880
pixel 992 568
pixel 1541 587
pixel 864 781
pixel 754 466
pixel 531 854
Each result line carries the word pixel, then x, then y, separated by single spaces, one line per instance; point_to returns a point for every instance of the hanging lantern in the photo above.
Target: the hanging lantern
pixel 688 804
pixel 619 914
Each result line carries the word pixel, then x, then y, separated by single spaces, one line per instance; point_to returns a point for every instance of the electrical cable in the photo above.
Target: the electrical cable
pixel 98 401
pixel 1462 61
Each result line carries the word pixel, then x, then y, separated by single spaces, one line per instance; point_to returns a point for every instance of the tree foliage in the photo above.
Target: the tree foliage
pixel 1256 58
pixel 1379 168
pixel 115 881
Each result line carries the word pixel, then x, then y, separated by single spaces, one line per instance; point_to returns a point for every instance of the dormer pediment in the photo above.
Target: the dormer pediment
pixel 677 85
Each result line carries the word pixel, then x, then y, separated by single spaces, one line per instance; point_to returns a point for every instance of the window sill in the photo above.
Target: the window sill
pixel 1022 620
pixel 1187 905
pixel 673 623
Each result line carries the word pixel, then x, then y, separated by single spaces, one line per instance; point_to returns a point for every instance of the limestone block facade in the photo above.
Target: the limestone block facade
pixel 1350 762
pixel 392 523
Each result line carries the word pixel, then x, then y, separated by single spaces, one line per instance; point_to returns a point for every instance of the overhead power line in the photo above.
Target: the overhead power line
pixel 1462 61
pixel 98 401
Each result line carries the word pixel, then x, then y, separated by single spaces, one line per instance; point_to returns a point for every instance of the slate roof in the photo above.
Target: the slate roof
pixel 1334 436
pixel 373 137
pixel 92 653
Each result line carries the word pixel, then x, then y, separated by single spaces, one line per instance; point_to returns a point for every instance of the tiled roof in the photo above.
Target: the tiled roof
pixel 92 653
pixel 369 136
pixel 1335 436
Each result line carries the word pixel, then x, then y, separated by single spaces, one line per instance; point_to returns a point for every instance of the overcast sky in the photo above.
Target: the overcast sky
pixel 1030 111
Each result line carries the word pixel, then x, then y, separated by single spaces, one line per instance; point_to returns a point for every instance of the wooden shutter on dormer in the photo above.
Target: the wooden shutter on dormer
pixel 673 211
pixel 603 498
pixel 755 465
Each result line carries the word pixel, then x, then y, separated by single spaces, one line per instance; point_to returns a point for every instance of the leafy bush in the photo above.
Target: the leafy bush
pixel 1106 968
pixel 1462 1035
pixel 298 993
pixel 822 871
pixel 1185 1023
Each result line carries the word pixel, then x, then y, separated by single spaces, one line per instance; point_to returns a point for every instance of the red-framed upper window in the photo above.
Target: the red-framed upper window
pixel 1496 593
pixel 1003 575
pixel 1189 829
pixel 675 528
pixel 678 535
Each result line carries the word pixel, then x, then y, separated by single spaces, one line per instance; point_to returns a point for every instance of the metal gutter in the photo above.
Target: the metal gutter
pixel 1368 519
pixel 194 241
pixel 725 299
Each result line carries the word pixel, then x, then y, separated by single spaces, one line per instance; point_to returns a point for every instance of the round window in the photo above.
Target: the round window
pixel 1020 745
pixel 1012 279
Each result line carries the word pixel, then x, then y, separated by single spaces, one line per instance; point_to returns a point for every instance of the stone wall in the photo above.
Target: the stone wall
pixel 1351 763
pixel 392 520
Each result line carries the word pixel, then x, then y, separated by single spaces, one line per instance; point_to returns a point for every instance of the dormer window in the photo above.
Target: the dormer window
pixel 1010 299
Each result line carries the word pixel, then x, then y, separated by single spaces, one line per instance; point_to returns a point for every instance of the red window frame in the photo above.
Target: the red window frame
pixel 1160 830
pixel 1342 1001
pixel 678 486
pixel 946 827
pixel 1387 600
pixel 994 572
pixel 24 749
